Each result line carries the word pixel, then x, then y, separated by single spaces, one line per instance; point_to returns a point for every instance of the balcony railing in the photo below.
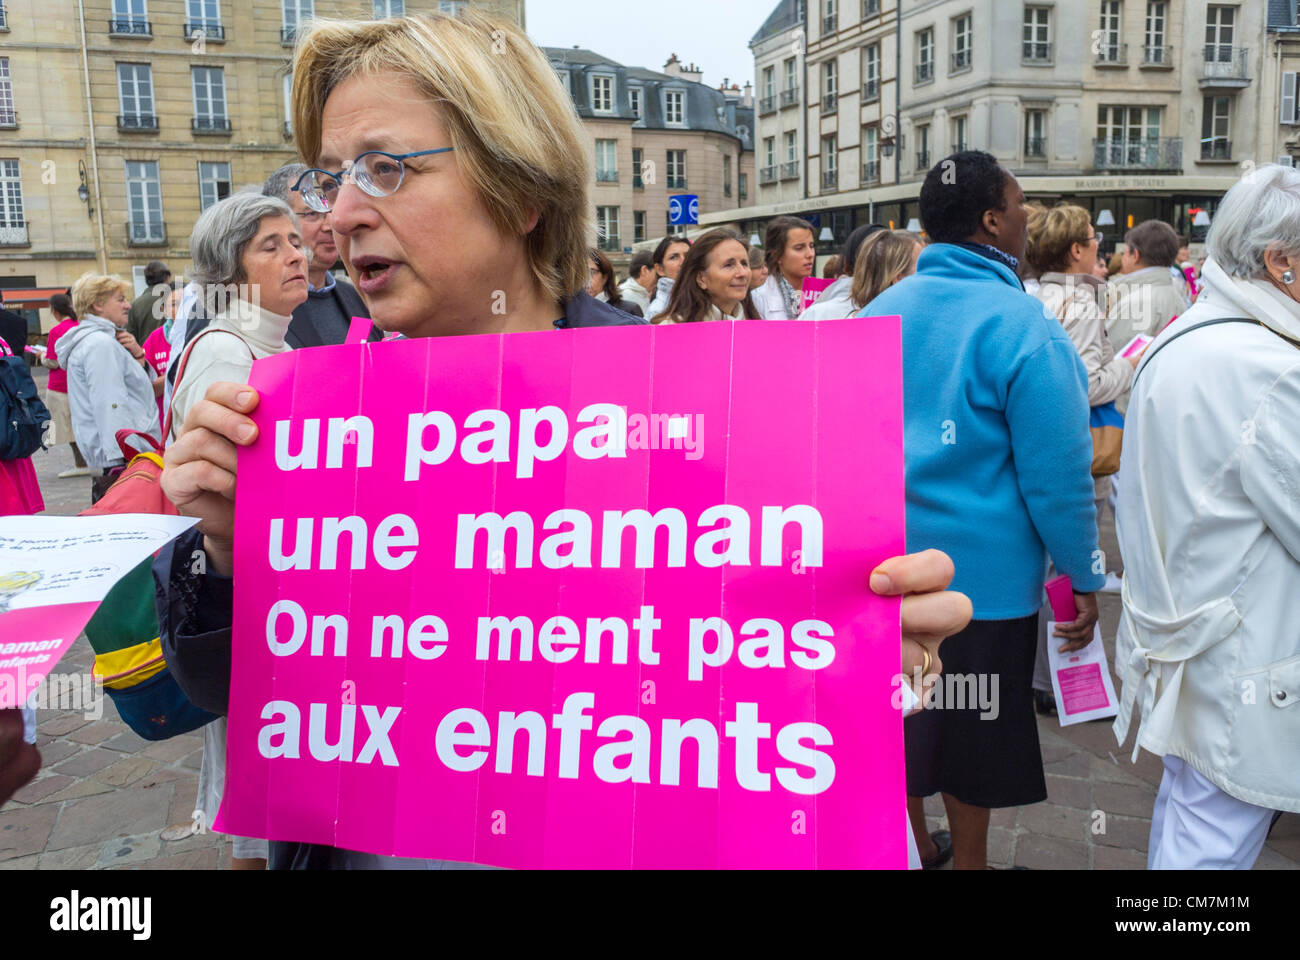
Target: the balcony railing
pixel 924 72
pixel 830 179
pixel 288 36
pixel 790 171
pixel 1225 66
pixel 1032 51
pixel 960 146
pixel 871 172
pixel 767 175
pixel 1216 149
pixel 210 31
pixel 789 97
pixel 960 61
pixel 14 234
pixel 9 119
pixel 129 27
pixel 607 176
pixel 1036 148
pixel 828 103
pixel 1158 56
pixel 218 126
pixel 870 8
pixel 676 183
pixel 613 243
pixel 1151 153
pixel 767 105
pixel 146 234
pixel 138 122
pixel 828 25
pixel 923 160
pixel 4 21
pixel 1112 55
pixel 871 91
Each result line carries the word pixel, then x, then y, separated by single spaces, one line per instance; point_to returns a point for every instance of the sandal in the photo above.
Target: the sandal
pixel 943 840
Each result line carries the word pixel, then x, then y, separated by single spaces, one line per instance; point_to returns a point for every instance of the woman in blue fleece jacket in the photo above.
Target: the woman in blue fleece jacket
pixel 998 459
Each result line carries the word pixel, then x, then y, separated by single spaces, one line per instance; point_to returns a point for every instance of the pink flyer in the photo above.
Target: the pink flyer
pixel 596 599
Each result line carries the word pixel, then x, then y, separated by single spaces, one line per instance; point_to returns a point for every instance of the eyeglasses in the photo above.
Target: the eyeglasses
pixel 377 173
pixel 1099 237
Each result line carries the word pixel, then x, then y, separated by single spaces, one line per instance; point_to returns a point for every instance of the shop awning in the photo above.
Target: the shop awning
pixel 28 298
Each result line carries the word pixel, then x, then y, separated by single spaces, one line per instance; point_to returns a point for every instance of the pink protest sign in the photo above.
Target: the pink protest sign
pixel 812 288
pixel 32 642
pixel 584 599
pixel 358 330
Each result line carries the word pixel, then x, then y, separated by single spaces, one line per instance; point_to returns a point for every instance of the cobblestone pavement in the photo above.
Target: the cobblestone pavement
pixel 104 796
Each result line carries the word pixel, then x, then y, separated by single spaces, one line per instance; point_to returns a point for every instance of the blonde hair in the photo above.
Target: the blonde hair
pixel 883 258
pixel 93 288
pixel 517 137
pixel 1051 235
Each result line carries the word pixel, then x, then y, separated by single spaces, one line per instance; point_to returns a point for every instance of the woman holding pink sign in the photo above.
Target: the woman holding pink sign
pixel 466 117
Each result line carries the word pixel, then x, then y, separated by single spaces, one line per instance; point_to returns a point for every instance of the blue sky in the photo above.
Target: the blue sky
pixel 642 33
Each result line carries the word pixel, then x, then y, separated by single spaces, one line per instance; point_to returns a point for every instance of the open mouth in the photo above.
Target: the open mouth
pixel 373 272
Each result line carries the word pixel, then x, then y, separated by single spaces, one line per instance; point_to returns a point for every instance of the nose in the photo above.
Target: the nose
pixel 352 208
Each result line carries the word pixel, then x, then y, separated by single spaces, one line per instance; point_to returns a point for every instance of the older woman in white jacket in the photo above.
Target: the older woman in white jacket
pixel 1209 526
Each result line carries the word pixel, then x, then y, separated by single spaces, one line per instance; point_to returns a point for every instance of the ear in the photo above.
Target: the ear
pixel 533 217
pixel 990 222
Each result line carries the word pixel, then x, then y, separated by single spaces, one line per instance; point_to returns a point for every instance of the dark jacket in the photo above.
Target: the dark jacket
pixel 13 331
pixel 146 316
pixel 195 611
pixel 324 317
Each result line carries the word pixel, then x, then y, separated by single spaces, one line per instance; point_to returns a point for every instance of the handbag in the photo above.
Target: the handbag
pixel 123 632
pixel 1106 424
pixel 23 417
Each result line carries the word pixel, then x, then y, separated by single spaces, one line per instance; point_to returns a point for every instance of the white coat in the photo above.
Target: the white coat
pixel 768 301
pixel 835 302
pixel 1209 527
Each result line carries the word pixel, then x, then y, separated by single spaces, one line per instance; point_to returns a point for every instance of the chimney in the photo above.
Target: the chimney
pixel 692 73
pixel 673 67
pixel 749 94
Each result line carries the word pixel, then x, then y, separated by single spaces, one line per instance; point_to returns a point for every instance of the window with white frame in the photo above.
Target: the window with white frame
pixel 675 106
pixel 565 79
pixel 11 195
pixel 1128 136
pixel 634 101
pixel 287 84
pixel 452 7
pixel 606 161
pixel 1036 38
pixel 607 227
pixel 791 74
pixel 959 141
pixel 962 40
pixel 214 183
pixel 203 15
pixel 135 93
pixel 791 146
pixel 726 176
pixel 871 153
pixel 637 164
pixel 389 8
pixel 830 161
pixel 676 168
pixel 130 16
pixel 925 55
pixel 1289 98
pixel 1109 48
pixel 638 226
pixel 602 93
pixel 209 97
pixel 1220 32
pixel 830 82
pixel 144 202
pixel 769 82
pixel 871 73
pixel 1036 134
pixel 923 147
pixel 1154 50
pixel 769 151
pixel 296 14
pixel 4 17
pixel 829 16
pixel 1216 129
pixel 8 115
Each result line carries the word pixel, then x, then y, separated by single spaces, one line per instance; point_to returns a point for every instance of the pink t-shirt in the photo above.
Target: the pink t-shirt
pixel 156 351
pixel 58 381
pixel 20 492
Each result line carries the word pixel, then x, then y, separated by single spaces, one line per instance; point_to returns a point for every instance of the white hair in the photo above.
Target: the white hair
pixel 1261 212
pixel 224 231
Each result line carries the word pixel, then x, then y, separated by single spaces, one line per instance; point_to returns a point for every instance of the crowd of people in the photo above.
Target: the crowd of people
pixel 1014 335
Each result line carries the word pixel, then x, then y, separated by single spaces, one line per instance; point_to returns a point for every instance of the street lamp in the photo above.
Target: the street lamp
pixel 83 191
pixel 827 235
pixel 755 240
pixel 1202 218
pixel 1106 219
pixel 914 225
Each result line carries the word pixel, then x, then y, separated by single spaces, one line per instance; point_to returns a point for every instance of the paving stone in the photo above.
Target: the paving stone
pixel 62 724
pixel 1069 792
pixel 1129 833
pixel 55 750
pixel 1125 800
pixel 1287 826
pixel 193 761
pixel 20 863
pixel 1053 752
pixel 1270 859
pixel 163 775
pixel 1004 817
pixel 1075 765
pixel 82 788
pixel 1051 820
pixel 1288 847
pixel 1118 770
pixel 38 790
pixel 184 796
pixel 1001 845
pixel 88 762
pixel 190 860
pixel 96 732
pixel 124 812
pixel 128 741
pixel 124 850
pixel 934 806
pixel 169 751
pixel 126 771
pixel 1113 858
pixel 25 830
pixel 74 858
pixel 1050 853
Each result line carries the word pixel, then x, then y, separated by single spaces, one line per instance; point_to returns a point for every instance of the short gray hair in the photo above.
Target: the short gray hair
pixel 1260 212
pixel 280 183
pixel 223 233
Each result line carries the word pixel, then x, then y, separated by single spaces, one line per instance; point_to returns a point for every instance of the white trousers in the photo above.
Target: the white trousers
pixel 1196 826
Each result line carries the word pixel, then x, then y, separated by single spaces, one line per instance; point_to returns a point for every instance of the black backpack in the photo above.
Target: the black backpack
pixel 23 416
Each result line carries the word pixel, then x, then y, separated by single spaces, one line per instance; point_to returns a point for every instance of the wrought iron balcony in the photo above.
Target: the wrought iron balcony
pixel 767 175
pixel 830 179
pixel 828 103
pixel 828 25
pixel 871 172
pixel 613 243
pixel 870 8
pixel 790 171
pixel 129 27
pixel 140 233
pixel 607 176
pixel 1112 55
pixel 1033 52
pixel 209 31
pixel 924 72
pixel 288 36
pixel 767 105
pixel 137 122
pixel 1150 153
pixel 1225 66
pixel 871 91
pixel 14 234
pixel 789 97
pixel 1157 57
pixel 923 160
pixel 1035 148
pixel 960 61
pixel 217 126
pixel 1216 148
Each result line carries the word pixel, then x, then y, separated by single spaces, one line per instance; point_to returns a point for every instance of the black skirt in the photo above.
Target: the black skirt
pixel 977 739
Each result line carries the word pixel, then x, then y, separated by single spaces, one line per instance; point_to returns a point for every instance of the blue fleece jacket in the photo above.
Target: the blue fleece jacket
pixel 996 442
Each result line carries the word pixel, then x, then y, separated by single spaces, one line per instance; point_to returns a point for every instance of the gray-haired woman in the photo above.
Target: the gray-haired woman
pixel 250 263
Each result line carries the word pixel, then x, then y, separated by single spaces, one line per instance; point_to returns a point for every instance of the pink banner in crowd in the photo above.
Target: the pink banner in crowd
pixel 594 599
pixel 32 642
pixel 812 289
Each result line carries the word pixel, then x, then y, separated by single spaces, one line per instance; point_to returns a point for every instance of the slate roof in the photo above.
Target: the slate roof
pixel 788 13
